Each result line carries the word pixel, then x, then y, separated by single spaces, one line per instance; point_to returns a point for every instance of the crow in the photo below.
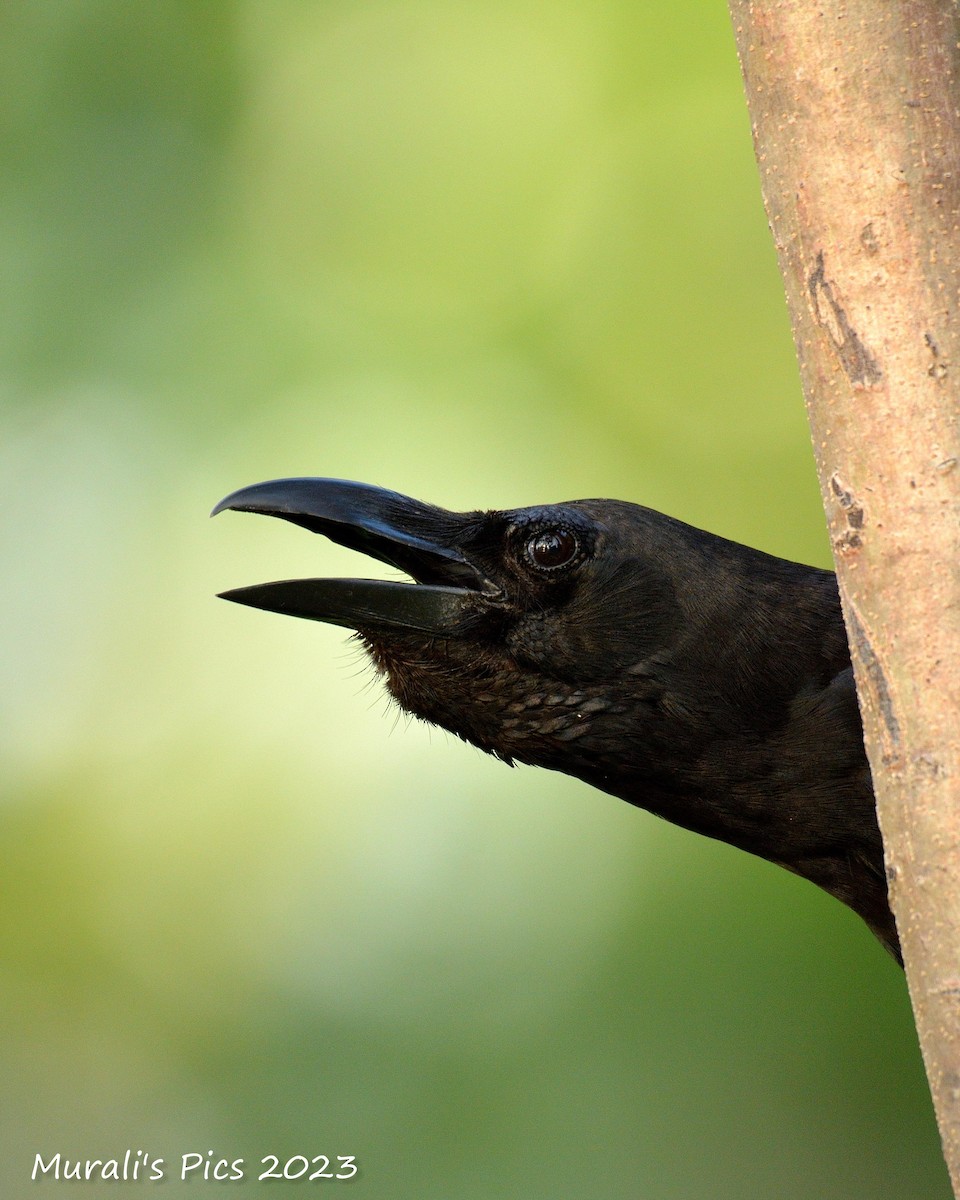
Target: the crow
pixel 689 675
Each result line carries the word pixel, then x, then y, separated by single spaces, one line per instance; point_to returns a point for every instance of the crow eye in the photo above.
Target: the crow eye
pixel 551 549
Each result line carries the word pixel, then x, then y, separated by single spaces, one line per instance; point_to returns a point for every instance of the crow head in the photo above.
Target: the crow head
pixel 512 632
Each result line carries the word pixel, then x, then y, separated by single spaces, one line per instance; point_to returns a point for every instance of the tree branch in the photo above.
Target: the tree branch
pixel 857 134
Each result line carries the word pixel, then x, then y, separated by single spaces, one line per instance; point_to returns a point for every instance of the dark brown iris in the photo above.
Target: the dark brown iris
pixel 550 549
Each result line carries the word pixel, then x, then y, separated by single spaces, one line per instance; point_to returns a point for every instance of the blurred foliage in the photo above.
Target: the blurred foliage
pixel 489 255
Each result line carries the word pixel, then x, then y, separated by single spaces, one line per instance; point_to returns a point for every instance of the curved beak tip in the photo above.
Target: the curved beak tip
pixel 226 503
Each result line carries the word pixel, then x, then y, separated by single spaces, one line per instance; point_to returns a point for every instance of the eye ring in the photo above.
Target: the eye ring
pixel 552 548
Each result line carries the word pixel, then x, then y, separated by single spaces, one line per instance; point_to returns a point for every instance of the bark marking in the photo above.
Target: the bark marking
pixel 878 681
pixel 852 509
pixel 861 368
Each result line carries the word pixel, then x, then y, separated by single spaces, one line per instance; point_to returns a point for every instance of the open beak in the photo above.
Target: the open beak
pixel 449 596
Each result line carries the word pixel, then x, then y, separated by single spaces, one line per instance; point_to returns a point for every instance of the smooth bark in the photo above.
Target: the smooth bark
pixel 856 117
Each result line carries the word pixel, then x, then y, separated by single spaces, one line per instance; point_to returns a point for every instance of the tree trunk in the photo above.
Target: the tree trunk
pixel 857 133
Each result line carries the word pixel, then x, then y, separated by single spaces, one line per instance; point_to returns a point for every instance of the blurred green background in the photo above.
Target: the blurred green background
pixel 489 255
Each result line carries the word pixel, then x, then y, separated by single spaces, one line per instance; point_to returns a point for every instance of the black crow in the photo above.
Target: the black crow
pixel 694 677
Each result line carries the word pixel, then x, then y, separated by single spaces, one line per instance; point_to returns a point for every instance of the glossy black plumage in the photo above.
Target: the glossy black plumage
pixel 694 677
